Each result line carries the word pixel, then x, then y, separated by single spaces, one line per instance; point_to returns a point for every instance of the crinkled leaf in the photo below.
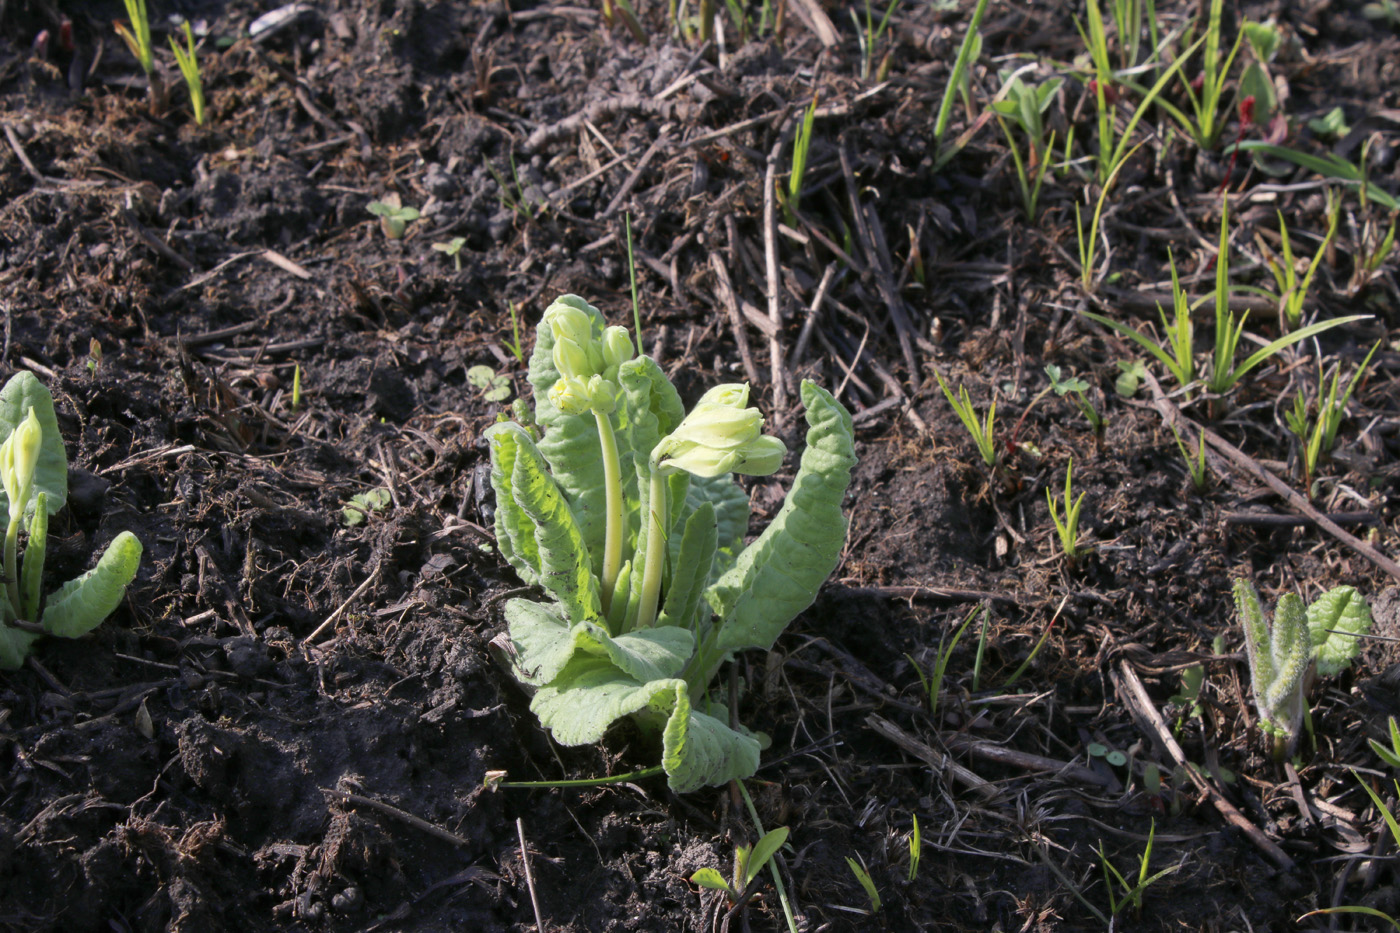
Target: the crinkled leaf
pixel 22 392
pixel 692 569
pixel 778 575
pixel 566 569
pixel 515 531
pixel 1335 622
pixel 570 442
pixel 14 647
pixel 545 644
pixel 80 605
pixel 590 694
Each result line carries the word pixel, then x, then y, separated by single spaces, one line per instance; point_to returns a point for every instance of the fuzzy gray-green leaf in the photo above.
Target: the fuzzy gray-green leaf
pixel 778 575
pixel 566 569
pixel 1336 620
pixel 545 644
pixel 515 530
pixel 692 568
pixel 80 605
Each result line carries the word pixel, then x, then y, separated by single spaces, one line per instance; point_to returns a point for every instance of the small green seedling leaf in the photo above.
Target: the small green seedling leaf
pixel 494 388
pixel 712 880
pixel 763 851
pixel 1390 756
pixel 1130 376
pixel 866 882
pixel 360 505
pixel 393 216
pixel 1335 623
pixel 1331 126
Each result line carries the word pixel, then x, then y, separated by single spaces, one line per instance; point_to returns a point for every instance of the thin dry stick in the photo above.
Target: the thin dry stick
pixel 330 619
pixel 1172 415
pixel 770 253
pixel 813 314
pixel 1141 704
pixel 529 875
pixel 388 808
pixel 662 138
pixel 725 289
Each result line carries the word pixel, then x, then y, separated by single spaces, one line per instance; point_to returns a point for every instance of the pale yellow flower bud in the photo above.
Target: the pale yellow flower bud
pixel 570 396
pixel 617 346
pixel 719 426
pixel 18 458
pixel 571 359
pixel 602 395
pixel 730 395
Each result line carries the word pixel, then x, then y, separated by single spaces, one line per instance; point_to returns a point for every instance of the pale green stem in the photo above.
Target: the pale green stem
pixel 617 516
pixel 656 551
pixel 12 560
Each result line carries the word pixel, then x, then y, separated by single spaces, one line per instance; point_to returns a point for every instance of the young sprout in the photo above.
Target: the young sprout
pixel 981 431
pixel 453 248
pixel 189 68
pixel 138 37
pixel 1067 528
pixel 863 876
pixel 393 216
pixel 1024 106
pixel 916 842
pixel 296 387
pixel 1293 292
pixel 1195 466
pixel 801 146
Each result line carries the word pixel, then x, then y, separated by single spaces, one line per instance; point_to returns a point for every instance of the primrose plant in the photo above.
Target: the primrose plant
pixel 1283 656
pixel 34 473
pixel 626 511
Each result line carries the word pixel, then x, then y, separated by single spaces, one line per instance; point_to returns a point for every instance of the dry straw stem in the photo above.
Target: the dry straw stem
pixel 1247 464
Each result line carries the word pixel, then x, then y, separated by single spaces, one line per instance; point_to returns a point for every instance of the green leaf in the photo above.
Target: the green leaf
pixel 22 392
pixel 778 575
pixel 590 694
pixel 692 569
pixel 80 605
pixel 1335 621
pixel 14 645
pixel 361 504
pixel 711 879
pixel 545 644
pixel 1332 126
pixel 763 850
pixel 1130 376
pixel 731 505
pixel 515 530
pixel 566 569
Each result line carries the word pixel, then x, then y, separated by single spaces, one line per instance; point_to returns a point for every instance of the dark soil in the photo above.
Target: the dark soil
pixel 288 724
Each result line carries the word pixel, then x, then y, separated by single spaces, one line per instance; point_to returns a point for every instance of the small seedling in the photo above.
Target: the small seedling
pixel 1325 636
pixel 1131 373
pixel 968 53
pixel 453 248
pixel 516 350
pixel 801 147
pixel 933 684
pixel 138 36
pixel 1332 125
pixel 94 360
pixel 189 68
pixel 1067 529
pixel 1195 466
pixel 1175 353
pixel 916 839
pixel 981 430
pixel 1291 291
pixel 362 504
pixel 1132 892
pixel 34 474
pixel 1075 388
pixel 1390 756
pixel 748 862
pixel 494 388
pixel 393 216
pixel 1024 106
pixel 296 387
pixel 866 882
pixel 869 36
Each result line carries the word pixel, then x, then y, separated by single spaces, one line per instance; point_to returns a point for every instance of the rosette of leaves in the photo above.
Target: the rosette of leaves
pixel 34 472
pixel 1284 655
pixel 632 521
